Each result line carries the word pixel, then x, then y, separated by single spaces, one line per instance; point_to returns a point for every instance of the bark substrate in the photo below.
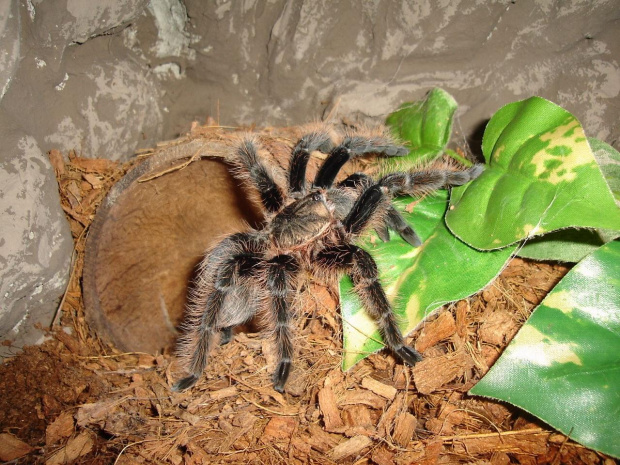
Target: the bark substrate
pixel 78 399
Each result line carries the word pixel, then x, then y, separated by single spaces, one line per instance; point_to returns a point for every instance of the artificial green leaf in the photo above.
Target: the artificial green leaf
pixel 572 245
pixel 541 176
pixel 608 160
pixel 425 126
pixel 417 280
pixel 564 364
pixel 566 245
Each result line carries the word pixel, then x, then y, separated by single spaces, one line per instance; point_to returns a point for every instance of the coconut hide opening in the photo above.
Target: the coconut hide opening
pixel 146 241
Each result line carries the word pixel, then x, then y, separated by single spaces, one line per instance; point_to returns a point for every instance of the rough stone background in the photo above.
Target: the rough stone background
pixel 106 78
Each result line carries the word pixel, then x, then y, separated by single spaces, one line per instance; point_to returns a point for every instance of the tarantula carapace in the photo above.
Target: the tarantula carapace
pixel 309 228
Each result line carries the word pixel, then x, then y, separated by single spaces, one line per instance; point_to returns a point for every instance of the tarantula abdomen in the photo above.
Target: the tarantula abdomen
pixel 310 230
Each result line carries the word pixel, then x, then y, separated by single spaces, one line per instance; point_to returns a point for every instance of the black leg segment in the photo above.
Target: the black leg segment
pixel 227 281
pixel 365 276
pixel 252 168
pixel 281 272
pixel 316 140
pixel 364 209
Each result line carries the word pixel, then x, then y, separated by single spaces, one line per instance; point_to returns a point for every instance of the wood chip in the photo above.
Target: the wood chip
pixel 279 428
pixel 432 373
pixel 62 427
pixel 93 180
pixel 95 413
pixel 384 390
pixel 462 309
pixel 385 422
pixel 93 165
pixel 526 443
pixel 382 456
pixel 362 396
pixel 329 409
pixel 223 393
pixel 76 447
pixel 350 447
pixel 404 428
pixel 431 453
pixel 57 161
pixel 357 415
pixel 12 448
pixel 497 326
pixel 437 330
pixel 320 440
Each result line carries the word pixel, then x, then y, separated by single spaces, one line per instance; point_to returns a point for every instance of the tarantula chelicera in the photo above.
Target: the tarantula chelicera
pixel 309 228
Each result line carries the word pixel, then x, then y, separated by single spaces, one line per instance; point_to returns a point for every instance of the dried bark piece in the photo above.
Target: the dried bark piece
pixel 62 427
pixel 462 309
pixel 195 455
pixel 223 393
pixel 437 330
pixel 96 412
pixel 432 373
pixel 93 180
pixel 385 422
pixel 357 415
pixel 528 443
pixel 382 456
pixel 404 428
pixel 362 396
pixel 279 428
pixel 497 327
pixel 93 165
pixel 320 440
pixel 12 448
pixel 384 390
pixel 358 420
pixel 350 447
pixel 329 409
pixel 57 161
pixel 76 447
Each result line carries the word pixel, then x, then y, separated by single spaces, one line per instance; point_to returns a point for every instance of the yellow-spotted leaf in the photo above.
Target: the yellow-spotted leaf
pixel 573 244
pixel 541 176
pixel 564 364
pixel 417 280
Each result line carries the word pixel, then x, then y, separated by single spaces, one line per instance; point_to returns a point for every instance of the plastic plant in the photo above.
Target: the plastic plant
pixel 548 192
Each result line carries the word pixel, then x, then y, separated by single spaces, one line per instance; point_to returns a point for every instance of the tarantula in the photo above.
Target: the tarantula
pixel 309 227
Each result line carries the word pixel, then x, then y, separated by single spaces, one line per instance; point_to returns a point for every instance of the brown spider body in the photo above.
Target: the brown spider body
pixel 310 229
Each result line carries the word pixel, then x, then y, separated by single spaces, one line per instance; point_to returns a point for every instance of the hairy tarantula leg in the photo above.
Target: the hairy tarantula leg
pixel 246 255
pixel 315 140
pixel 364 209
pixel 281 271
pixel 246 157
pixel 353 146
pixel 226 335
pixel 423 182
pixel 393 219
pixel 356 181
pixel 205 334
pixel 365 276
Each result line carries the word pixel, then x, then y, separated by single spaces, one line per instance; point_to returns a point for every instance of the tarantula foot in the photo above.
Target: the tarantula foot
pixel 281 375
pixel 226 335
pixel 412 238
pixel 185 383
pixel 383 232
pixel 409 355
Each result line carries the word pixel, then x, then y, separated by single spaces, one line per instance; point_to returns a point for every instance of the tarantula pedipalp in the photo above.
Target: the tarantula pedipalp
pixel 308 227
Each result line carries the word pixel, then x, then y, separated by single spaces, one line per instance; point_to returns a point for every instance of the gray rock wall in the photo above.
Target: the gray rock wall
pixel 105 78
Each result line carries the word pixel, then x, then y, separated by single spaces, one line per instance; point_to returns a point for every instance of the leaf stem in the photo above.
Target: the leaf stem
pixel 462 160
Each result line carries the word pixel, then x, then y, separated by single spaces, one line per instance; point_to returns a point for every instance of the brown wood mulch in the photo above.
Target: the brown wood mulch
pixel 75 399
